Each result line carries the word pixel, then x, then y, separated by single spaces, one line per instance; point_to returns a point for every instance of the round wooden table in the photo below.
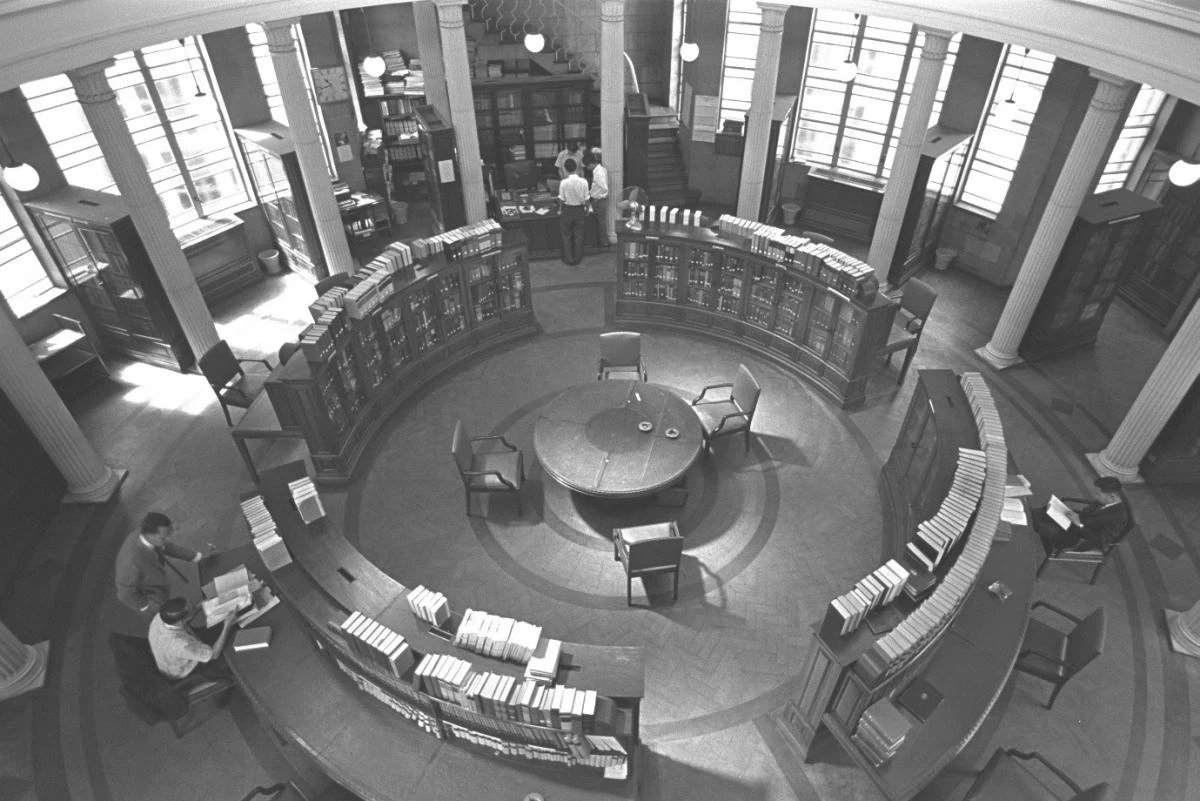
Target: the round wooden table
pixel 588 438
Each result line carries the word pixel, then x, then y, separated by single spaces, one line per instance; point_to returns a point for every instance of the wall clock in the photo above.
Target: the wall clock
pixel 330 84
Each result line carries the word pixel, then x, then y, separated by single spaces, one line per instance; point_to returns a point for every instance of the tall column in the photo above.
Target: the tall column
pixel 429 45
pixel 762 105
pixel 612 104
pixel 89 480
pixel 293 91
pixel 1171 379
pixel 908 153
pixel 22 667
pixel 1074 182
pixel 149 217
pixel 1184 630
pixel 462 107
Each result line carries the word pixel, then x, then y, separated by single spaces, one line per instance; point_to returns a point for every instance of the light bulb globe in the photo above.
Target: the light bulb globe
pixel 374 65
pixel 1006 111
pixel 846 71
pixel 534 42
pixel 22 177
pixel 1182 173
pixel 689 51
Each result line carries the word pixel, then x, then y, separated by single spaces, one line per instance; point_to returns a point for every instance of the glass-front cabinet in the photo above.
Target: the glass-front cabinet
pixel 664 285
pixel 793 294
pixel 729 290
pixel 702 272
pixel 514 292
pixel 635 269
pixel 761 305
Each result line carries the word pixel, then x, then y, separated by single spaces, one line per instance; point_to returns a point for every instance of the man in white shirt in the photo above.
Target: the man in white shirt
pixel 598 194
pixel 179 653
pixel 574 150
pixel 572 212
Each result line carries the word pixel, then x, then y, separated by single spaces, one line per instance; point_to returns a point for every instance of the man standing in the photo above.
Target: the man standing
pixel 179 653
pixel 574 150
pixel 572 202
pixel 599 196
pixel 141 566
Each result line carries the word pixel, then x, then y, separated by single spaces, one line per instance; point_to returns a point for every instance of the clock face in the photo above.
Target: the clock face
pixel 330 84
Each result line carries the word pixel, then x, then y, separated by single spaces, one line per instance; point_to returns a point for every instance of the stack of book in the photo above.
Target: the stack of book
pixel 879 588
pixel 673 215
pixel 308 502
pixel 394 258
pixel 543 665
pixel 461 243
pixel 937 535
pixel 881 731
pixel 375 644
pixel 270 545
pixel 498 636
pixel 373 288
pixel 430 606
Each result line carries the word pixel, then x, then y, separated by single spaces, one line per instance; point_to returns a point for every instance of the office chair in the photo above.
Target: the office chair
pixel 232 385
pixel 722 416
pixel 1102 530
pixel 915 305
pixel 490 471
pixel 648 550
pixel 621 352
pixel 1008 777
pixel 1057 656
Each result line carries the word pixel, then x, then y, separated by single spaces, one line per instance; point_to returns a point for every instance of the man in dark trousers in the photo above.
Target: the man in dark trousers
pixel 141 566
pixel 572 211
pixel 178 652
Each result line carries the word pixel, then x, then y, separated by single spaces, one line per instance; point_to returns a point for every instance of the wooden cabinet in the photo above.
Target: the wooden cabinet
pixel 443 172
pixel 101 257
pixel 1165 283
pixel 1175 456
pixel 275 173
pixel 1110 234
pixel 688 277
pixel 939 172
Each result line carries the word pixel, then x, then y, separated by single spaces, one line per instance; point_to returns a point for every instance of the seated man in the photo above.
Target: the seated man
pixel 1101 521
pixel 177 651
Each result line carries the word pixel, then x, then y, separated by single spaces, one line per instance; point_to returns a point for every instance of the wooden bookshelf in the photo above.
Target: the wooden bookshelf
pixel 443 172
pixel 690 278
pixel 448 311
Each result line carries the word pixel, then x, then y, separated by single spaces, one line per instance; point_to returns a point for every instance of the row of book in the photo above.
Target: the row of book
pixel 319 340
pixel 266 538
pixel 881 731
pixel 307 500
pixel 892 652
pixel 673 215
pixel 879 588
pixel 936 536
pixel 497 636
pixel 375 644
pixel 461 243
pixel 373 287
pixel 430 606
pixel 585 752
pixel 406 710
pixel 391 82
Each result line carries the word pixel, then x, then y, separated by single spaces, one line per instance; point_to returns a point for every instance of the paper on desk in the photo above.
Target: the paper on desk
pixel 231 581
pixel 1018 487
pixel 1061 514
pixel 1014 512
pixel 217 609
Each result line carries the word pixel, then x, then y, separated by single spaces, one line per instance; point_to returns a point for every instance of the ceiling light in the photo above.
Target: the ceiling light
pixel 846 71
pixel 1182 173
pixel 689 51
pixel 22 177
pixel 534 42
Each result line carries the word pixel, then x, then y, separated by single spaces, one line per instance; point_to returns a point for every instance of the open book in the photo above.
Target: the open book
pixel 1062 514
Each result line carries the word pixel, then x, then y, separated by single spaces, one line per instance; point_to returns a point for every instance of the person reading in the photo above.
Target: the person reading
pixel 141 565
pixel 572 200
pixel 1078 524
pixel 177 651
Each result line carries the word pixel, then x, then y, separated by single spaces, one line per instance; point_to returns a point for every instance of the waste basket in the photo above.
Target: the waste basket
pixel 790 212
pixel 270 261
pixel 400 212
pixel 942 257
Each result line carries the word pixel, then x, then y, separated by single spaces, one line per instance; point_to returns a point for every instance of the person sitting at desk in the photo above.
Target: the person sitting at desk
pixel 1101 521
pixel 177 651
pixel 141 565
pixel 574 151
pixel 572 200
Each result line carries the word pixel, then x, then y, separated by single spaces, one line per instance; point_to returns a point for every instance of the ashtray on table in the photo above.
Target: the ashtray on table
pixel 671 433
pixel 645 425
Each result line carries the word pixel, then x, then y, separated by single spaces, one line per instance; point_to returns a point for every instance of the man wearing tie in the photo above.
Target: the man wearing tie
pixel 141 566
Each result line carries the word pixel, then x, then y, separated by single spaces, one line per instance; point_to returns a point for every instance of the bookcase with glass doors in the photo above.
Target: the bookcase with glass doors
pixel 690 278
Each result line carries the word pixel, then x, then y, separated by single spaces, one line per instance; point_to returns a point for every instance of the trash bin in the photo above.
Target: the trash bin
pixel 400 212
pixel 269 259
pixel 790 212
pixel 942 257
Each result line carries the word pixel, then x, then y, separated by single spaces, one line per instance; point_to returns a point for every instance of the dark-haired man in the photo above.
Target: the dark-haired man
pixel 572 202
pixel 177 651
pixel 141 566
pixel 574 151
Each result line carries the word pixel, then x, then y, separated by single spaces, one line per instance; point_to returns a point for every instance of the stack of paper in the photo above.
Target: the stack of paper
pixel 543 665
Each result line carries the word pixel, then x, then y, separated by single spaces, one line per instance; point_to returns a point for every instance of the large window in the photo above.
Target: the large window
pixel 22 279
pixel 1132 138
pixel 741 52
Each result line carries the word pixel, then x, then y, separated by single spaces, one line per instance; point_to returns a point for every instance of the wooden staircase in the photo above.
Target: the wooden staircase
pixel 666 172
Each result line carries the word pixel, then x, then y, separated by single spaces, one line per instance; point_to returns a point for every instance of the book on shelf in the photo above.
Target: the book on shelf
pixel 252 639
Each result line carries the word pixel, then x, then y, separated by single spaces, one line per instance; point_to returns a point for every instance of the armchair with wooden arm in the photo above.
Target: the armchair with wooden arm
pixel 1056 656
pixel 730 415
pixel 488 471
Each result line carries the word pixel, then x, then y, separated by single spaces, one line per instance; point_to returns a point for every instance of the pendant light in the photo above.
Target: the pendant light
pixel 689 51
pixel 1182 173
pixel 847 71
pixel 195 82
pixel 535 42
pixel 1006 111
pixel 21 177
pixel 373 64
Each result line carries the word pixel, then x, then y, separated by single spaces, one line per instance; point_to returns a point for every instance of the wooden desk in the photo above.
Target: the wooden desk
pixel 588 438
pixel 260 422
pixel 542 231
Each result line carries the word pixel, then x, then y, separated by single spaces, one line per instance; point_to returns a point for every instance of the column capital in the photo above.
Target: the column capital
pixel 1111 91
pixel 91 83
pixel 449 13
pixel 279 35
pixel 612 10
pixel 937 43
pixel 772 16
pixel 282 24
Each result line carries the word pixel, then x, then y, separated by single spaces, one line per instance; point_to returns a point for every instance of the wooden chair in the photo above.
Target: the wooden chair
pixel 233 385
pixel 1057 656
pixel 337 279
pixel 490 471
pixel 286 351
pixel 183 703
pixel 915 305
pixel 724 416
pixel 1103 529
pixel 1008 777
pixel 621 352
pixel 820 239
pixel 648 550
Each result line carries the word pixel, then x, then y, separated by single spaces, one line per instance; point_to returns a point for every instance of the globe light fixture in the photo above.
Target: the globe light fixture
pixel 689 51
pixel 22 177
pixel 1182 173
pixel 374 65
pixel 534 42
pixel 846 71
pixel 1006 110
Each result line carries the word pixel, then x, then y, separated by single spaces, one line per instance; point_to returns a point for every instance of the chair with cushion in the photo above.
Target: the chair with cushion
pixel 232 385
pixel 820 239
pixel 183 703
pixel 1102 527
pixel 1057 656
pixel 915 305
pixel 731 415
pixel 487 471
pixel 287 350
pixel 647 551
pixel 1012 775
pixel 621 352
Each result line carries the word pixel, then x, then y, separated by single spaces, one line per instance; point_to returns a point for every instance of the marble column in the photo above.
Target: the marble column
pixel 88 479
pixel 908 153
pixel 462 107
pixel 1076 179
pixel 293 91
pixel 149 217
pixel 22 667
pixel 762 105
pixel 429 45
pixel 1184 630
pixel 612 104
pixel 1171 379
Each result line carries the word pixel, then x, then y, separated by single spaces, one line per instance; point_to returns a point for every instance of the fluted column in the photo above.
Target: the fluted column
pixel 149 217
pixel 462 107
pixel 1171 379
pixel 908 153
pixel 1184 630
pixel 762 105
pixel 293 91
pixel 89 480
pixel 429 45
pixel 612 104
pixel 1074 182
pixel 22 667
